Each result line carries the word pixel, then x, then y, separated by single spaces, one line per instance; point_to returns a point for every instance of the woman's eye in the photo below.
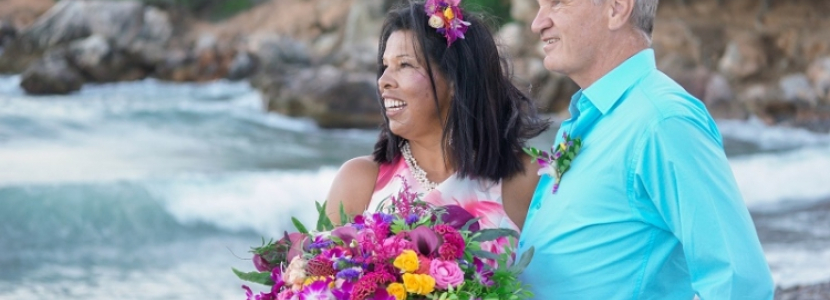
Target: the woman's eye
pixel 405 65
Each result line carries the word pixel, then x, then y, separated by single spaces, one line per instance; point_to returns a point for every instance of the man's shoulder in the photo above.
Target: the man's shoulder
pixel 657 96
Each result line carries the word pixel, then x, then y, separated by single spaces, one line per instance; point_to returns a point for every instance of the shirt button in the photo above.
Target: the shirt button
pixel 521 244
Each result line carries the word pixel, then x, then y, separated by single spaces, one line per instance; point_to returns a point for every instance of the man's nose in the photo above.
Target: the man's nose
pixel 541 21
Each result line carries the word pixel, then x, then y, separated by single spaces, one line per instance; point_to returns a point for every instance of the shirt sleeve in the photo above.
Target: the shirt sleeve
pixel 684 172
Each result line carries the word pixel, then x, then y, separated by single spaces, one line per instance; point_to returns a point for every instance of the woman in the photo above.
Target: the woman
pixel 454 124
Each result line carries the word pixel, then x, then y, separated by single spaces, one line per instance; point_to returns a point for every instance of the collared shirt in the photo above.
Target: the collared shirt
pixel 649 208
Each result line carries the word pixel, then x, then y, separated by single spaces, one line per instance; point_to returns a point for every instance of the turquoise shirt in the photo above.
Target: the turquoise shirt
pixel 650 208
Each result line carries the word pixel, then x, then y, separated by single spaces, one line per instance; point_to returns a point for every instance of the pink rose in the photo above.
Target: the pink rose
pixel 393 246
pixel 446 273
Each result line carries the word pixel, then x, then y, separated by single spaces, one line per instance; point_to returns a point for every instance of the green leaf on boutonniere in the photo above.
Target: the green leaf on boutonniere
pixel 556 163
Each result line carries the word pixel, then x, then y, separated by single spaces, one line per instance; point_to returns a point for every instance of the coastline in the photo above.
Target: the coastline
pixel 819 291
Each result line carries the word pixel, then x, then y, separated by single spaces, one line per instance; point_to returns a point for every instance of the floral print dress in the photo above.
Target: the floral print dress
pixel 482 198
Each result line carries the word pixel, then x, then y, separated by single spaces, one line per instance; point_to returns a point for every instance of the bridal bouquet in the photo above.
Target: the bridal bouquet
pixel 410 250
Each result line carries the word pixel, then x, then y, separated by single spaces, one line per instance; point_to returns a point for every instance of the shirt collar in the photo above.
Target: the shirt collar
pixel 606 91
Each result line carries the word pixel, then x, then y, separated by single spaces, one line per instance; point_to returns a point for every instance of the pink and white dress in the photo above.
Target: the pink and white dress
pixel 482 198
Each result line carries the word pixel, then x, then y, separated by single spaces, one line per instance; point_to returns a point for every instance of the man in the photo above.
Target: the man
pixel 649 208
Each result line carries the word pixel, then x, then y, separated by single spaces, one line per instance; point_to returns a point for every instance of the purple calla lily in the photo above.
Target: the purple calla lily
pixel 425 240
pixel 456 216
pixel 346 233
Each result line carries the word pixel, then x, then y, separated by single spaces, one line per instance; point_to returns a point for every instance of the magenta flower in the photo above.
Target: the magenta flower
pixel 456 216
pixel 262 296
pixel 382 294
pixel 483 273
pixel 318 290
pixel 445 16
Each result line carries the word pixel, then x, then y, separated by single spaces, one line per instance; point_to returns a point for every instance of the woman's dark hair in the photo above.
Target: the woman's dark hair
pixel 489 120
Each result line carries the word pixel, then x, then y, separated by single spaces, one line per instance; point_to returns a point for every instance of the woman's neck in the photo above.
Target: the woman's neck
pixel 431 158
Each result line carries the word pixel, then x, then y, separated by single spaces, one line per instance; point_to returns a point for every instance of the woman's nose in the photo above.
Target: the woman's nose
pixel 385 82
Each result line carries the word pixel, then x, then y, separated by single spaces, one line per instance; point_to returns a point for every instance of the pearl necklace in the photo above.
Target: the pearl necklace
pixel 419 174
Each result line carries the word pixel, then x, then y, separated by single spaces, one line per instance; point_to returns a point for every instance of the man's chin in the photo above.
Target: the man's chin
pixel 553 66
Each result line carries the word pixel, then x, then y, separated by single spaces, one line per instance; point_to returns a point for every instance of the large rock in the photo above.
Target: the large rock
pixel 99 62
pixel 51 75
pixel 744 56
pixel 7 34
pixel 796 88
pixel 117 21
pixel 275 52
pixel 333 98
pixel 152 40
pixel 819 74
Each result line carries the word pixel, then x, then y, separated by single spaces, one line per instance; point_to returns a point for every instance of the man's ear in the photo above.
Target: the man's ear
pixel 619 13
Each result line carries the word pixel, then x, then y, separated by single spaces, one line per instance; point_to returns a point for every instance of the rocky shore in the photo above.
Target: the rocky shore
pixel 820 291
pixel 316 58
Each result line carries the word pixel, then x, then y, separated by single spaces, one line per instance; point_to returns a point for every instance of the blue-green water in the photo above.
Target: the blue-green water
pixel 152 190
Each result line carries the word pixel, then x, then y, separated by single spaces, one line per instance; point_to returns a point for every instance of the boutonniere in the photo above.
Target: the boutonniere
pixel 559 162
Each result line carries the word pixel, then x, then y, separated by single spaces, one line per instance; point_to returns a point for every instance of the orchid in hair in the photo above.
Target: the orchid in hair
pixel 445 16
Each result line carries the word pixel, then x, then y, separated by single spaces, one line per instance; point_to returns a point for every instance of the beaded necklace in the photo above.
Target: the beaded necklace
pixel 419 174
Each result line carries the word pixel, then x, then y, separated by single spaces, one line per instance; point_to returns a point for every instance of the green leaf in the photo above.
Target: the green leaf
pixel 263 278
pixel 484 254
pixel 492 234
pixel 533 152
pixel 299 225
pixel 520 266
pixel 344 218
pixel 469 223
pixel 323 221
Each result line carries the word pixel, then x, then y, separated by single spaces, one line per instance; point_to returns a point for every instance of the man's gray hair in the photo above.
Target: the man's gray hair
pixel 642 16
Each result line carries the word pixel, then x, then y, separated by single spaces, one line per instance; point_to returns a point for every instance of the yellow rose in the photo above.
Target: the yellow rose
pixel 562 146
pixel 407 261
pixel 448 13
pixel 421 284
pixel 396 289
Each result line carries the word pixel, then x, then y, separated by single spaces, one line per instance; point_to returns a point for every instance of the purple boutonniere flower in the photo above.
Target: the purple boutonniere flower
pixel 555 165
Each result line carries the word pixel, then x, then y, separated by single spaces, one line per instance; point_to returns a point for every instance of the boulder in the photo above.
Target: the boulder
pixel 796 88
pixel 744 57
pixel 243 65
pixel 332 97
pixel 819 75
pixel 117 21
pixel 99 62
pixel 274 51
pixel 152 40
pixel 52 74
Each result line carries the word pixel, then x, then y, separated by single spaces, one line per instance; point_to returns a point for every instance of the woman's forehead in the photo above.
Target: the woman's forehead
pixel 401 44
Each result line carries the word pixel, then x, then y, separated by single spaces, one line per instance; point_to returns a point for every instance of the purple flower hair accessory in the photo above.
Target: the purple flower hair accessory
pixel 445 16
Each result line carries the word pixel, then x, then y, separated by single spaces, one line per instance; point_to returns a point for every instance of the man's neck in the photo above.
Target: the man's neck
pixel 616 52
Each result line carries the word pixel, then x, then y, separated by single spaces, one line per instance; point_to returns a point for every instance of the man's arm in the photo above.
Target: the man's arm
pixel 684 171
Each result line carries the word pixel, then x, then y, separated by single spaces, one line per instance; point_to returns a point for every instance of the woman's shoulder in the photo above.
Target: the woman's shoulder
pixel 352 187
pixel 359 172
pixel 361 165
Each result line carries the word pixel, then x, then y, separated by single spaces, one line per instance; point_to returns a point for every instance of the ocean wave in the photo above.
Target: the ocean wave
pixel 770 179
pixel 125 213
pixel 770 137
pixel 260 201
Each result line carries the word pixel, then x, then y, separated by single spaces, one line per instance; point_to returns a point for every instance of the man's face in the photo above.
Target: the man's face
pixel 573 32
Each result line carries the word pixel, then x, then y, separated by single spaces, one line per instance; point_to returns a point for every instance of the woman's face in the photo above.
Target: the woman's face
pixel 406 90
